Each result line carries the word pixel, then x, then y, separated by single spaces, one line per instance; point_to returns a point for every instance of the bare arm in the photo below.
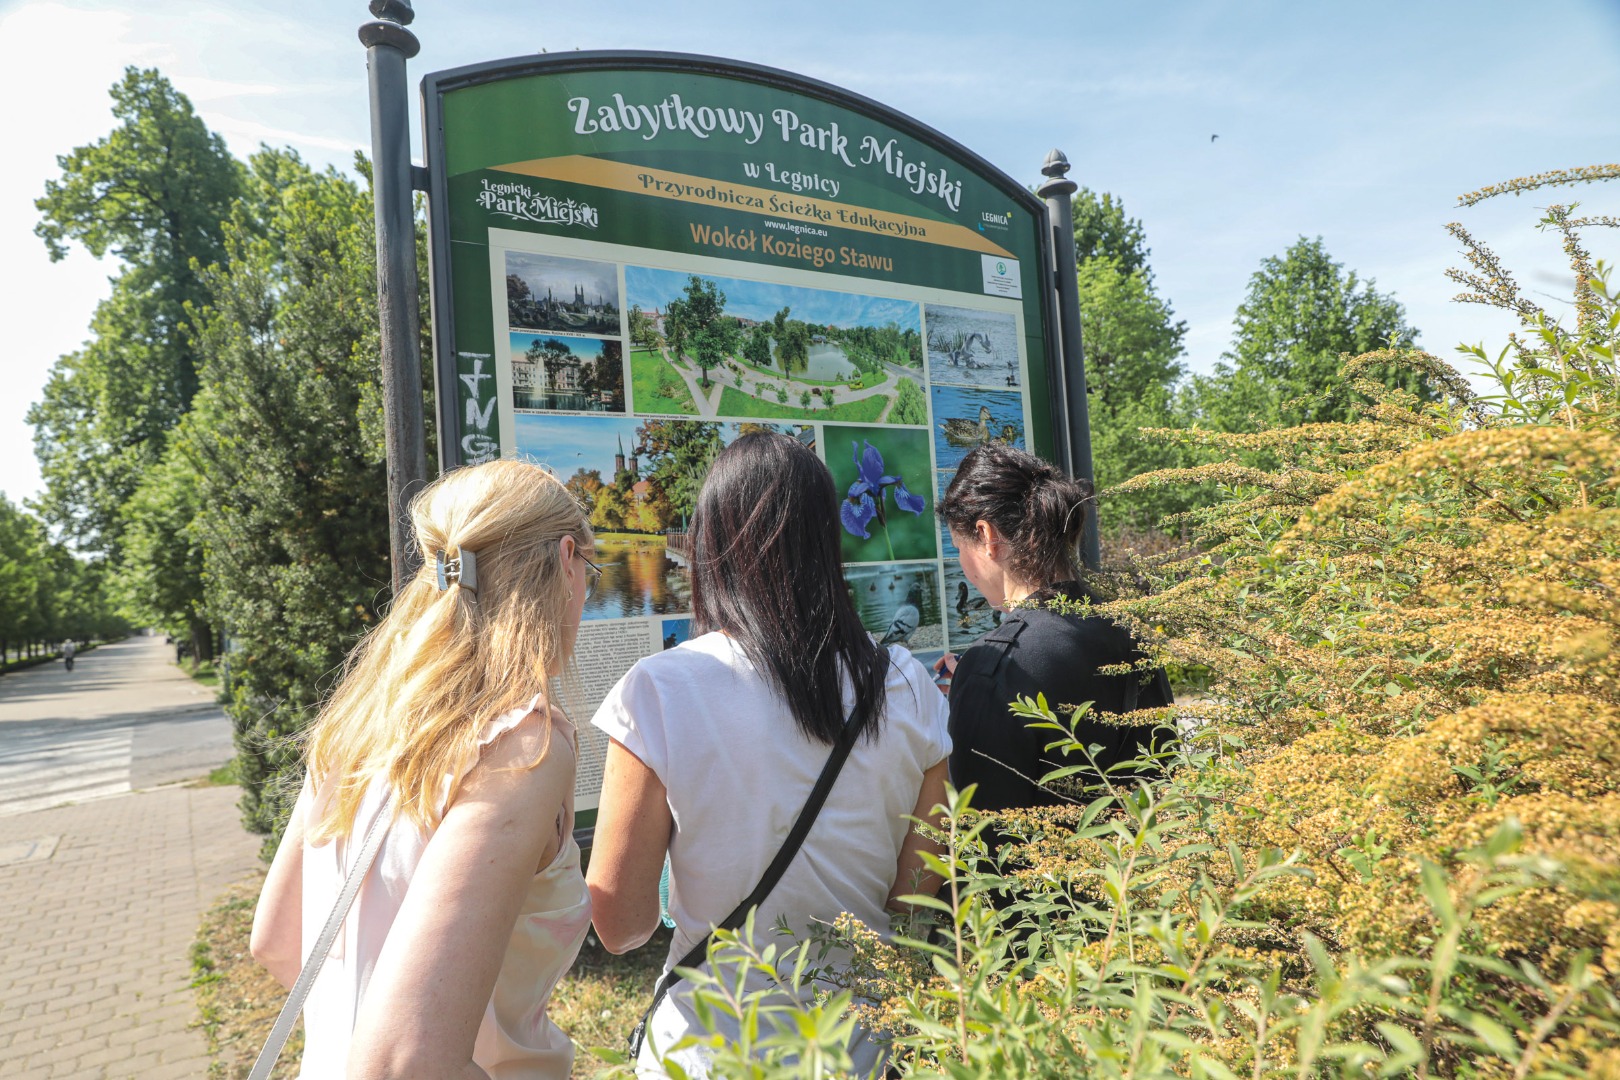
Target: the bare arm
pixel 277 942
pixel 911 877
pixel 633 827
pixel 427 995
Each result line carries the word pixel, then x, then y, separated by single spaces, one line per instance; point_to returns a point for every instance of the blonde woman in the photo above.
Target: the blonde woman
pixel 475 904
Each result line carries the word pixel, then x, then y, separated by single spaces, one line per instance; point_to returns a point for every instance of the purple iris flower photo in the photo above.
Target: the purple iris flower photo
pixel 865 501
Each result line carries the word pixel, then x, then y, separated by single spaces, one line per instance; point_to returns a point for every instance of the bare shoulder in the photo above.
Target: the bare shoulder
pixel 539 749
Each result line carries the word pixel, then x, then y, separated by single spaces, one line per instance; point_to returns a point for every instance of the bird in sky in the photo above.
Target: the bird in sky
pixel 1212 138
pixel 906 618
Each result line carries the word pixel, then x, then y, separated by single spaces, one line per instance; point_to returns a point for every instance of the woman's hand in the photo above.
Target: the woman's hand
pixel 944 671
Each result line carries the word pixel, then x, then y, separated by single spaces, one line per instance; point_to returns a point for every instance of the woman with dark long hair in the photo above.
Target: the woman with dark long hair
pixel 1016 521
pixel 717 742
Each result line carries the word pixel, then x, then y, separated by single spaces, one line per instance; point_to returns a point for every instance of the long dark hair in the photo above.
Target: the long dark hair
pixel 766 570
pixel 1031 502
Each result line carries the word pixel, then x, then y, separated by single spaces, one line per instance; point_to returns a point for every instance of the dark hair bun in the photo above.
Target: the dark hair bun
pixel 1040 510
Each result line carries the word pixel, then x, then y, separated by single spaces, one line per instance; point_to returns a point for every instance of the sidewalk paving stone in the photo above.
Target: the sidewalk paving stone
pixel 95 970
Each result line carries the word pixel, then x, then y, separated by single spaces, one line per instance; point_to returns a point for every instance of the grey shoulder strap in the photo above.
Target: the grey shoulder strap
pixel 323 945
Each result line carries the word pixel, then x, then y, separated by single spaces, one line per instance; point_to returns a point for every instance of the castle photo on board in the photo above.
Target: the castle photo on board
pixel 570 296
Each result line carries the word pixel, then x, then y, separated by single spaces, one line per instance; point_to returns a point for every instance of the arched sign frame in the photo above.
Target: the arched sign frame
pixel 543 170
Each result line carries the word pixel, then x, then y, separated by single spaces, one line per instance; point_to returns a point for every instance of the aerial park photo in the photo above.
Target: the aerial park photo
pixel 719 346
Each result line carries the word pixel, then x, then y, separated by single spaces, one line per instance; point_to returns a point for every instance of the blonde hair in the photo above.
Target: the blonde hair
pixel 418 689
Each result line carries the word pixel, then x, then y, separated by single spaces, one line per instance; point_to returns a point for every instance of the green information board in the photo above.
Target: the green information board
pixel 638 257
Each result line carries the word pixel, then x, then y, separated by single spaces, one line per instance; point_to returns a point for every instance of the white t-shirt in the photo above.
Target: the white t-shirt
pixel 737 771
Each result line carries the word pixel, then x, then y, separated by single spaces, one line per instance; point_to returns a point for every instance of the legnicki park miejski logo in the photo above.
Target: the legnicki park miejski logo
pixel 520 202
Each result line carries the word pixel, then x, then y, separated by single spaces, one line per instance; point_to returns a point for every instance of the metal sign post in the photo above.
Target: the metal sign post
pixel 1060 211
pixel 388 45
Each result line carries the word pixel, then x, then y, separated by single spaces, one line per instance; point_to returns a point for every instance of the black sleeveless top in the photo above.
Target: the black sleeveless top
pixel 1037 651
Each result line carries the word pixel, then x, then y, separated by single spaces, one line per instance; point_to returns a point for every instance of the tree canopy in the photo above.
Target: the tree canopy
pixel 153 193
pixel 1302 312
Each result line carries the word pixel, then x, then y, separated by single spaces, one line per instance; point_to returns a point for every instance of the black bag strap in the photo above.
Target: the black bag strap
pixel 773 873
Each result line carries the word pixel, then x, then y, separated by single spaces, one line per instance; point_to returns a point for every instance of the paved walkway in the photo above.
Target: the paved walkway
pixel 708 402
pixel 101 899
pixel 131 676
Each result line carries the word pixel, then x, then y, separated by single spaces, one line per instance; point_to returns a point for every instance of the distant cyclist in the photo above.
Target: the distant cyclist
pixel 68 651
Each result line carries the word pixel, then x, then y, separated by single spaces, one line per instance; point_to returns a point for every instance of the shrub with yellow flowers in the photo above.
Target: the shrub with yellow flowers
pixel 1387 842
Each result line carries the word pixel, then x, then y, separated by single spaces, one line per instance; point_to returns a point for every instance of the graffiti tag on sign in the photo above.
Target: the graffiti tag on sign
pixel 478 441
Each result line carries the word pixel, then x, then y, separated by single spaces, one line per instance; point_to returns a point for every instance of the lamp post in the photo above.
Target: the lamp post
pixel 388 45
pixel 1056 190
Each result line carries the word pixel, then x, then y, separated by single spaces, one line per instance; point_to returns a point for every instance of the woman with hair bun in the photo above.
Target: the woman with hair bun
pixel 440 731
pixel 1016 521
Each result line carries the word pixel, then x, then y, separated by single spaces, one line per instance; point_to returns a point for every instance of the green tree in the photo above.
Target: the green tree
pixel 643 333
pixel 910 407
pixel 757 349
pixel 160 570
pixel 610 510
pixel 713 336
pixel 287 439
pixel 1301 313
pixel 793 345
pixel 585 485
pixel 1102 230
pixel 1133 349
pixel 676 327
pixel 23 573
pixel 152 193
pixel 676 455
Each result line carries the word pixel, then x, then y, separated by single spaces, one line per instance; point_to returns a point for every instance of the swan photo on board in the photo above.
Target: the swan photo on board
pixel 972 348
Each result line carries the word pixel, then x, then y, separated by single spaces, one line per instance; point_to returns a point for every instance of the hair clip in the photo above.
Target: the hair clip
pixel 462 570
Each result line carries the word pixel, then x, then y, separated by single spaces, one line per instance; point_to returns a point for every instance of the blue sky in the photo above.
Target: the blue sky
pixel 1360 123
pixel 543 272
pixel 584 348
pixel 760 300
pixel 569 443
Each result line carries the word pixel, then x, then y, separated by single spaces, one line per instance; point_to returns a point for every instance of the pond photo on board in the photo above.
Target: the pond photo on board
pixel 638 481
pixel 727 346
pixel 899 603
pixel 969 416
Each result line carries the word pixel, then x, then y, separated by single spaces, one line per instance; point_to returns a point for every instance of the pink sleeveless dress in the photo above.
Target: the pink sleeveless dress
pixel 516 1040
